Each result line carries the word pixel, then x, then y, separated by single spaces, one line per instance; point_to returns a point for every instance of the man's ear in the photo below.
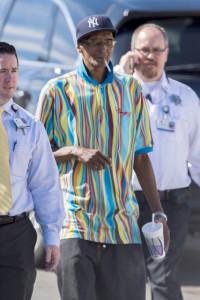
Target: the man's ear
pixel 79 48
pixel 167 53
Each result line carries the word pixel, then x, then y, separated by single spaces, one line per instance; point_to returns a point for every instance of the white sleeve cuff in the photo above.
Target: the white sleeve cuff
pixel 51 238
pixel 118 69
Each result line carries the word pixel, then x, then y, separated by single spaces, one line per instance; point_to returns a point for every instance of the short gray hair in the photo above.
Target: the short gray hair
pixel 149 25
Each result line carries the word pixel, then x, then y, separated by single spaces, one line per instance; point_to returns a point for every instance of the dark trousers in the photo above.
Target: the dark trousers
pixel 95 271
pixel 17 268
pixel 163 274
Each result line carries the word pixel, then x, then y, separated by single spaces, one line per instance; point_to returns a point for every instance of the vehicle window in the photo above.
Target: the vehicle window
pixel 4 10
pixel 27 27
pixel 63 49
pixel 4 3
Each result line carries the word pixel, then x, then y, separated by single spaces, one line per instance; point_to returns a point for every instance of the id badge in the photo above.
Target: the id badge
pixel 21 123
pixel 166 125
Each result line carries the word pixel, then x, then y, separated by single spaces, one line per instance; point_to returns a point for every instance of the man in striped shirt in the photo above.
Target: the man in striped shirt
pixel 99 129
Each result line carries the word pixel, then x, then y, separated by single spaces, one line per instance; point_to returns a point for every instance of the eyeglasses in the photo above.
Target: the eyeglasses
pixel 98 42
pixel 155 51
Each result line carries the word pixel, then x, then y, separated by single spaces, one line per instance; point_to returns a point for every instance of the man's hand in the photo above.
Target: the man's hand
pixel 166 231
pixel 52 257
pixel 93 158
pixel 128 62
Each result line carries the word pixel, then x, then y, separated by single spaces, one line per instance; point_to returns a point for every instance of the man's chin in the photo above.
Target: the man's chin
pixel 150 75
pixel 99 66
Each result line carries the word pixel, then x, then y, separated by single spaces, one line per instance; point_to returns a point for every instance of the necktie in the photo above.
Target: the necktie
pixel 5 182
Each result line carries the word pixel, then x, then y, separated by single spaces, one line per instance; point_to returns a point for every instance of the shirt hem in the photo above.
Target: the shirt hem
pixel 144 150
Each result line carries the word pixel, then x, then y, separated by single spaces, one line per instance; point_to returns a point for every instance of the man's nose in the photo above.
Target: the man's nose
pixel 150 53
pixel 102 46
pixel 9 75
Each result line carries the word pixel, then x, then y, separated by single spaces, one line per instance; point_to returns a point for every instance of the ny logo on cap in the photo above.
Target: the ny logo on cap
pixel 93 22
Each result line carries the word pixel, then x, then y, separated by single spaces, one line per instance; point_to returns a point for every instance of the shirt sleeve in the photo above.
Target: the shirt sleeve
pixel 118 69
pixel 45 111
pixel 144 141
pixel 44 184
pixel 194 142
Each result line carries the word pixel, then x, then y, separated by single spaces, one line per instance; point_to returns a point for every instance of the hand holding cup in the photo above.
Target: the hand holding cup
pixel 153 233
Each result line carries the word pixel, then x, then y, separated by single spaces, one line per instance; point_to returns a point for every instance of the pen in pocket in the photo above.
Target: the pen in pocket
pixel 14 145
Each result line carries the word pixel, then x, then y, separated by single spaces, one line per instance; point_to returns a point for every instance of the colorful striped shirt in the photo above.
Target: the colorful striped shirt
pixel 111 117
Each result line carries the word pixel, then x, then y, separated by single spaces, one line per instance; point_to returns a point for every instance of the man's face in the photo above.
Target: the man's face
pixel 152 54
pixel 8 77
pixel 94 54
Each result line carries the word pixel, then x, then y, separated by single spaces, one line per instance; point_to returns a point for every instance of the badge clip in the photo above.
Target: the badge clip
pixel 21 124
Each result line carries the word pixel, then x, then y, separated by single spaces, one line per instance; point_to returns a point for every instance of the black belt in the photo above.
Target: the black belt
pixel 176 195
pixel 12 219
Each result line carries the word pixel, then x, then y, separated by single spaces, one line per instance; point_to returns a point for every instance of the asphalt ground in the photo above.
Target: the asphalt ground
pixel 46 286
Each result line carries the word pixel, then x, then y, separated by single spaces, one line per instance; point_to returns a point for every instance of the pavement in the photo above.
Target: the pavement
pixel 46 286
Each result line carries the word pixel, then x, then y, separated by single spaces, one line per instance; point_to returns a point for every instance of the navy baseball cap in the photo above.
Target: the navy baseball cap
pixel 92 24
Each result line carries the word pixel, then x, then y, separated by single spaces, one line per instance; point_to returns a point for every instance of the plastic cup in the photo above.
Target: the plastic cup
pixel 153 233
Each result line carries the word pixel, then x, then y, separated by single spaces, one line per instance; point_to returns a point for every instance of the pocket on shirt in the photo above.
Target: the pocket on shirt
pixel 182 127
pixel 19 161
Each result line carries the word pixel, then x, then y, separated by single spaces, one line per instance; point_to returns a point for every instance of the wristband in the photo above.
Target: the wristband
pixel 160 213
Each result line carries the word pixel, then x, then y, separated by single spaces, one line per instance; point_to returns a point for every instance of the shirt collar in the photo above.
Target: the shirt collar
pixel 7 107
pixel 163 82
pixel 82 72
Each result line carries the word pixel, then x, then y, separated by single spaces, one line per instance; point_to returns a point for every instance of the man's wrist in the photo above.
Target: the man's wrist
pixel 159 214
pixel 51 238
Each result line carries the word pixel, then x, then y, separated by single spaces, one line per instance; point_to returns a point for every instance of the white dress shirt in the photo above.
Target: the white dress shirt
pixel 34 173
pixel 172 151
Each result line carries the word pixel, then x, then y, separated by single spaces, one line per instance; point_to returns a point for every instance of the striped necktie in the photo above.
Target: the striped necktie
pixel 5 182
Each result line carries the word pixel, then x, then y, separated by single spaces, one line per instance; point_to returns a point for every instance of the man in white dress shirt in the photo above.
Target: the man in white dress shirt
pixel 174 113
pixel 33 185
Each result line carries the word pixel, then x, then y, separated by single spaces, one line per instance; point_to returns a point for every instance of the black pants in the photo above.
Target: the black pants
pixel 17 268
pixel 94 271
pixel 164 274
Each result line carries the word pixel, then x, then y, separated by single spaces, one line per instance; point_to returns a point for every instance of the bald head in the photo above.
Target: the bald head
pixel 152 27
